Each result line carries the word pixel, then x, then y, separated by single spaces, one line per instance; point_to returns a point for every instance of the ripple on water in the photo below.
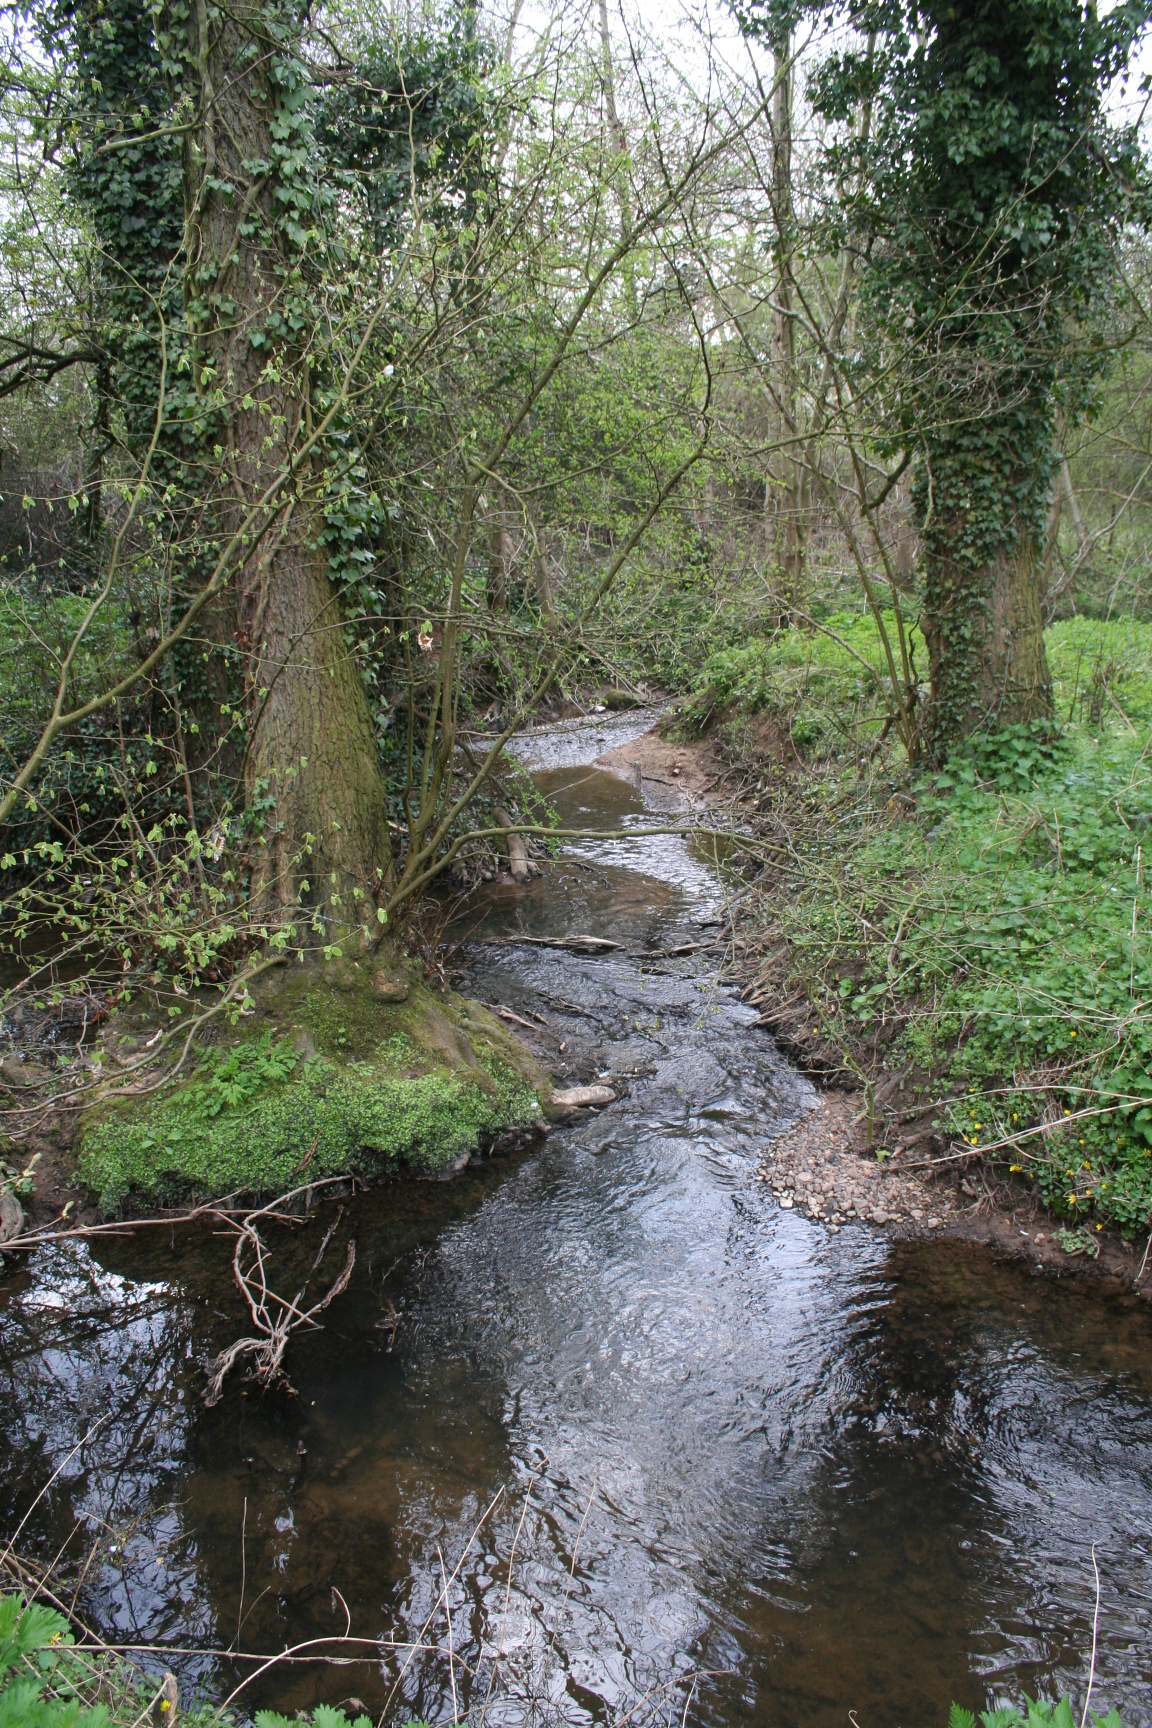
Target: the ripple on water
pixel 838 1472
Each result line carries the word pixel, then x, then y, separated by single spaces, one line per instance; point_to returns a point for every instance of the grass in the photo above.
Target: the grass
pixel 988 930
pixel 823 684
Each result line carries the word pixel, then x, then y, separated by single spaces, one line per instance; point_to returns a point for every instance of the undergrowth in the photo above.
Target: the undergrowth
pixel 824 684
pixel 47 1681
pixel 1030 1713
pixel 261 1115
pixel 988 932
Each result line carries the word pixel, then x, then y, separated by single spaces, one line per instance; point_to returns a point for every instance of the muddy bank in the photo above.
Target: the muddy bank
pixel 823 1169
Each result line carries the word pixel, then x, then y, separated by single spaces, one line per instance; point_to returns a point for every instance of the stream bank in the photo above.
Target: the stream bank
pixel 882 1146
pixel 807 1471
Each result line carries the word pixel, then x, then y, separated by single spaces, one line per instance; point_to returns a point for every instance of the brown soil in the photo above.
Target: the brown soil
pixel 56 1197
pixel 822 1168
pixel 684 774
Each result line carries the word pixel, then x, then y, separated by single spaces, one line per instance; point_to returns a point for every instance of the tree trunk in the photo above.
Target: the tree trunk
pixel 619 147
pixel 313 781
pixel 496 592
pixel 795 518
pixel 985 634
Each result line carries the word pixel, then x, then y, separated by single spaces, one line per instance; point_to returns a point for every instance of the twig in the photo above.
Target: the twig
pixel 328 1234
pixel 243 1570
pixel 1144 1262
pixel 448 1618
pixel 508 1595
pixel 1095 1624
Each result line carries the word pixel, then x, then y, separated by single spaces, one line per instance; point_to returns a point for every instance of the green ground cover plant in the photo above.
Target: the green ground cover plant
pixel 988 930
pixel 825 683
pixel 46 1681
pixel 355 1088
pixel 1029 1713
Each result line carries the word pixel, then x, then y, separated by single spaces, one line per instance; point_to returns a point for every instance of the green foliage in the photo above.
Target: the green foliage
pixel 996 939
pixel 825 686
pixel 17 1181
pixel 324 1716
pixel 227 1082
pixel 1030 1713
pixel 1101 670
pixel 376 1097
pixel 989 193
pixel 44 1685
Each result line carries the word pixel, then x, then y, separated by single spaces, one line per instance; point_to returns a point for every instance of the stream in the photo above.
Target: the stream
pixel 821 1472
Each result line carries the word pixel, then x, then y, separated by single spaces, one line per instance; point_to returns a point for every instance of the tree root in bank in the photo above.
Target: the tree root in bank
pixel 273 1316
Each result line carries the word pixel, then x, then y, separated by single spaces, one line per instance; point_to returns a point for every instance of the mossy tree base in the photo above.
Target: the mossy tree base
pixel 338 1072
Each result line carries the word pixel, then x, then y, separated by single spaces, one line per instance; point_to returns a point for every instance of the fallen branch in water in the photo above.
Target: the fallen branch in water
pixel 218 1209
pixel 572 944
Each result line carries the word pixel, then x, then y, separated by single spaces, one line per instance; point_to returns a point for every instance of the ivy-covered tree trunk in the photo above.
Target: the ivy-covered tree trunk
pixel 312 771
pixel 987 204
pixel 984 627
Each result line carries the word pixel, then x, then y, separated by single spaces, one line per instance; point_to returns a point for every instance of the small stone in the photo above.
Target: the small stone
pixel 389 989
pixel 879 1217
pixel 935 1223
pixel 584 1097
pixel 786 1202
pixel 917 1212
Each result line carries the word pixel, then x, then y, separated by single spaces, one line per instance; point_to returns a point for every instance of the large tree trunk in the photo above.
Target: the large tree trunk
pixel 985 634
pixel 312 769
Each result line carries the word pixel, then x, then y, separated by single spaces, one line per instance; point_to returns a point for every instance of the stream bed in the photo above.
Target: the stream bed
pixel 818 1472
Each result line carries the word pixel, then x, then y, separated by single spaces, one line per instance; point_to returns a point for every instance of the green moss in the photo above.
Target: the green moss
pixel 339 1084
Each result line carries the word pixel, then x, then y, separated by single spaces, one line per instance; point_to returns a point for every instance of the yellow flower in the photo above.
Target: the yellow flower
pixel 979 1125
pixel 975 1142
pixel 1071 1034
pixel 165 1704
pixel 1016 1167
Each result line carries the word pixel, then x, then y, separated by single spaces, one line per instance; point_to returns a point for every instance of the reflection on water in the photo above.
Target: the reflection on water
pixel 836 1472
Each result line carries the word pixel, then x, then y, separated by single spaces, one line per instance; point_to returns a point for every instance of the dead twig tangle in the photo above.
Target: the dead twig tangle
pixel 273 1316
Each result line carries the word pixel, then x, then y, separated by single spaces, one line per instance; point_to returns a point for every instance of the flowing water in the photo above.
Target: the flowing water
pixel 831 1472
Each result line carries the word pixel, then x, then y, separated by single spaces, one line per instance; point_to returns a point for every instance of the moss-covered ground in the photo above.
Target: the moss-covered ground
pixel 324 1079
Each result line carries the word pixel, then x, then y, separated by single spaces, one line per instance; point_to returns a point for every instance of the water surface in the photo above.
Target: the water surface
pixel 833 1472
